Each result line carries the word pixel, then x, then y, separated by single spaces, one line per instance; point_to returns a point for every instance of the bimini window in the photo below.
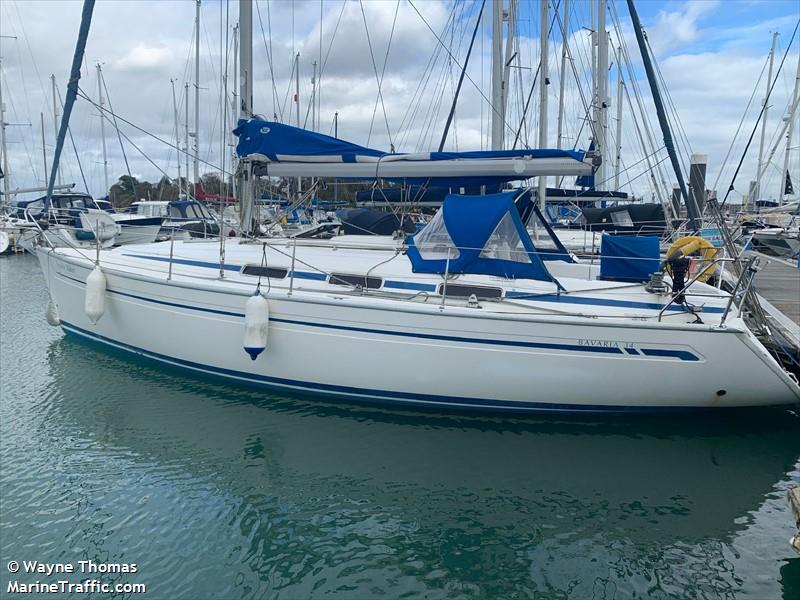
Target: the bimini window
pixel 369 283
pixel 457 290
pixel 505 243
pixel 259 271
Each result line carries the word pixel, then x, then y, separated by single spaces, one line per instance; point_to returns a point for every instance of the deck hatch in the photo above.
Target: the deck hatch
pixel 457 290
pixel 360 281
pixel 270 272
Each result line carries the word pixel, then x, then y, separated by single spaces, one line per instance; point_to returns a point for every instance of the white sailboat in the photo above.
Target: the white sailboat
pixel 466 314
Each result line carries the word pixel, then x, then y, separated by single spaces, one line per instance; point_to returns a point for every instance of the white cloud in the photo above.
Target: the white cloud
pixel 141 55
pixel 145 57
pixel 676 29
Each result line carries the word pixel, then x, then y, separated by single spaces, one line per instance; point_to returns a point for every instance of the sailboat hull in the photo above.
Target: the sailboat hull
pixel 354 348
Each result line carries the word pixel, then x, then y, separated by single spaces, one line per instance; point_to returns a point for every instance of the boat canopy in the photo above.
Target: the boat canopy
pixel 477 234
pixel 363 221
pixel 284 151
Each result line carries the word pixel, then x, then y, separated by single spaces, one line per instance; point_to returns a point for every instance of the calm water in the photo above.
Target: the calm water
pixel 219 492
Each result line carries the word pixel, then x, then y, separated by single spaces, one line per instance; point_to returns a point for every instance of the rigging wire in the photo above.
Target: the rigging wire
pixel 438 39
pixel 741 124
pixel 74 148
pixel 461 78
pixel 147 133
pixel 760 114
pixel 379 80
pixel 122 147
pixel 268 50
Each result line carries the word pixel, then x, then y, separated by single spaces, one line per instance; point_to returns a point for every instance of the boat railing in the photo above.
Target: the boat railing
pixel 710 266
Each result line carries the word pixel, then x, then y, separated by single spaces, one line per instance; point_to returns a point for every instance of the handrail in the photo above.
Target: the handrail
pixel 750 269
pixel 692 281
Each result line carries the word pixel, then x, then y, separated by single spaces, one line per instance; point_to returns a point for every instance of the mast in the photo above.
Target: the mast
pixel 313 96
pixel 497 74
pixel 245 171
pixel 186 135
pixel 757 194
pixel 102 125
pixel 512 22
pixel 72 93
pixel 3 142
pixel 620 91
pixel 234 87
pixel 789 132
pixel 297 88
pixel 44 151
pixel 691 209
pixel 563 78
pixel 593 44
pixel 544 79
pixel 601 101
pixel 297 107
pixel 55 118
pixel 245 59
pixel 177 136
pixel 234 106
pixel 197 92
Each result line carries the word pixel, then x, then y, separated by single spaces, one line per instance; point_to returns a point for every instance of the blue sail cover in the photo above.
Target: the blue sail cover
pixel 271 142
pixel 279 142
pixel 482 235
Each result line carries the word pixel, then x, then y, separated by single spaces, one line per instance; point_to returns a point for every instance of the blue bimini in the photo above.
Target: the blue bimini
pixel 479 235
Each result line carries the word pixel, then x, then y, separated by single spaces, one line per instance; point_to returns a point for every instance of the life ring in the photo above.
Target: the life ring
pixel 701 251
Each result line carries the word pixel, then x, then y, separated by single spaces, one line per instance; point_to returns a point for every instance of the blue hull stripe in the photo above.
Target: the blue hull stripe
pixel 657 352
pixel 382 396
pixel 425 287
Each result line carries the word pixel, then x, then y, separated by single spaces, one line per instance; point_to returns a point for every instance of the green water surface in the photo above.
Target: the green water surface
pixel 216 491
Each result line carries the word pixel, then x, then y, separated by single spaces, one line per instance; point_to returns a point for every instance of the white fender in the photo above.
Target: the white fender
pixel 256 325
pixel 51 314
pixel 5 242
pixel 95 301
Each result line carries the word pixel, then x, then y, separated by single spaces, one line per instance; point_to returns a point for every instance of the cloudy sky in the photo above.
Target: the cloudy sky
pixel 711 54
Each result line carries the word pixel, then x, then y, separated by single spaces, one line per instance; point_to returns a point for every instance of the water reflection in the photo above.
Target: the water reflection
pixel 260 493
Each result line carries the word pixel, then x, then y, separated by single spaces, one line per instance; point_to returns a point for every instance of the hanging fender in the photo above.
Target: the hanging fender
pixel 95 300
pixel 51 314
pixel 256 325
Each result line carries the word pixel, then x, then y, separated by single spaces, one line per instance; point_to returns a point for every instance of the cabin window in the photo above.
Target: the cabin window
pixel 259 271
pixel 361 281
pixel 457 290
pixel 622 218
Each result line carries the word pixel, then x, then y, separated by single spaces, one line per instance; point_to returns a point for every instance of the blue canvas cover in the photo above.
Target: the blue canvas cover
pixel 276 139
pixel 629 258
pixel 482 235
pixel 279 142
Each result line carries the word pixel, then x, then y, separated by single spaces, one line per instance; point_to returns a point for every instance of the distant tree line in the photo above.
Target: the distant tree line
pixel 129 189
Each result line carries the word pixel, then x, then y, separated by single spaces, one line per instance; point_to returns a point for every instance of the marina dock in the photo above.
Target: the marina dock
pixel 779 283
pixel 778 287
